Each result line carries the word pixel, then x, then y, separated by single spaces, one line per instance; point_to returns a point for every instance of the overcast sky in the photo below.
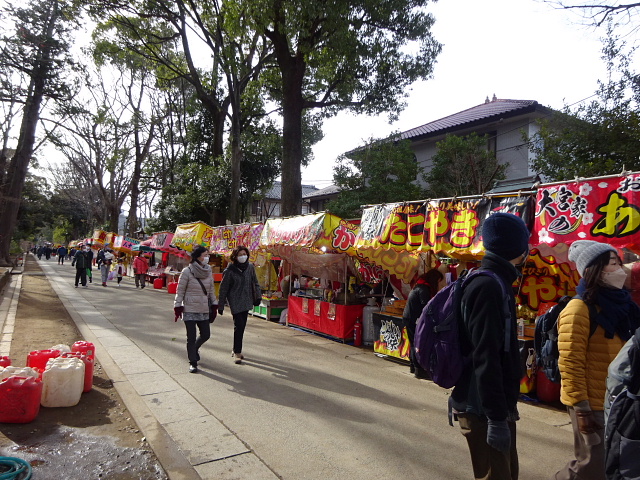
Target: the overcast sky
pixel 517 49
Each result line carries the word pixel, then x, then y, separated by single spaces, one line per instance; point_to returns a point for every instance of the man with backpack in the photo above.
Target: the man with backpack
pixel 485 396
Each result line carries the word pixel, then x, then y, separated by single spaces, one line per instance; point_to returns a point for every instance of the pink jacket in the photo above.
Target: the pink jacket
pixel 140 265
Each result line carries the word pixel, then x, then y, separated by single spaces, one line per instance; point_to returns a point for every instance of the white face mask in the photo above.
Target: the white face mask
pixel 205 260
pixel 615 279
pixel 242 258
pixel 86 249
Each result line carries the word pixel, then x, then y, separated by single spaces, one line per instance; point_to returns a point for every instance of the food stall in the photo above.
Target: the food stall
pixel 404 239
pixel 225 238
pixel 315 246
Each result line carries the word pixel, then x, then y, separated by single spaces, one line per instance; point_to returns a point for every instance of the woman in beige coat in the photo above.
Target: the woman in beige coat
pixel 194 294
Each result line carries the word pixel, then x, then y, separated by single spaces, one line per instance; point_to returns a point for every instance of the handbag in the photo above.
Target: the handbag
pixel 213 309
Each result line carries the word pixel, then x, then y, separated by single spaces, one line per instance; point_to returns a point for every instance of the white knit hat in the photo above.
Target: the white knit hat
pixel 584 252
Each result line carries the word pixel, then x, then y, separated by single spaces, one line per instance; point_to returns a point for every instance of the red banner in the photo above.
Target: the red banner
pixel 606 210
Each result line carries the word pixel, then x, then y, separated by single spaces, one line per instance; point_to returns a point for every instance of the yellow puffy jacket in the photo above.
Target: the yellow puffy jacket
pixel 583 360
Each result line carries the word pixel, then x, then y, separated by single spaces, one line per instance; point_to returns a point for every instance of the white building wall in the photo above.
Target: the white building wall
pixel 512 149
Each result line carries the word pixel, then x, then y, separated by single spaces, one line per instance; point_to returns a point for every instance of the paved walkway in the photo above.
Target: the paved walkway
pixel 300 406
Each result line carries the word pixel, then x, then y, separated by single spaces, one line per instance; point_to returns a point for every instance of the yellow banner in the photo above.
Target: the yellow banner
pixel 190 235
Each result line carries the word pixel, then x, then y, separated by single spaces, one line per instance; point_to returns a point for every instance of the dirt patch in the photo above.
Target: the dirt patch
pixel 95 439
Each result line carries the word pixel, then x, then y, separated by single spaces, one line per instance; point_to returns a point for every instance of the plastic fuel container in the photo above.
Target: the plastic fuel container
pixel 19 399
pixel 62 382
pixel 13 371
pixel 86 348
pixel 88 368
pixel 5 361
pixel 39 358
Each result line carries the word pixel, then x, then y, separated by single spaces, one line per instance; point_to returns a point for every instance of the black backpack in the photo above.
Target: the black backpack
pixel 622 432
pixel 546 338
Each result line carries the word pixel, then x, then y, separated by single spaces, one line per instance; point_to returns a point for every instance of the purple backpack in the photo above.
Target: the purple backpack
pixel 437 337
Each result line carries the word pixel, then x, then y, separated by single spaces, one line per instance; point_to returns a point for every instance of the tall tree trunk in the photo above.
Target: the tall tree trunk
pixel 19 165
pixel 141 155
pixel 292 104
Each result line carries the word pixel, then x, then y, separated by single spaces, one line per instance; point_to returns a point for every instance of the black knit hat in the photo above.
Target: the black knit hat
pixel 506 235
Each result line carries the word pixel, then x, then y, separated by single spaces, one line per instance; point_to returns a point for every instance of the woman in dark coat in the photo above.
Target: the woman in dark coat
pixel 426 287
pixel 241 289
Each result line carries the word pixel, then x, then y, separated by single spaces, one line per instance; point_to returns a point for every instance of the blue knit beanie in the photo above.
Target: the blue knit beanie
pixel 506 235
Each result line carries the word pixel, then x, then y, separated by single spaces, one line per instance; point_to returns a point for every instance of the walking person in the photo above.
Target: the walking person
pixel 105 266
pixel 426 286
pixel 40 252
pixel 120 269
pixel 592 330
pixel 194 294
pixel 140 269
pixel 241 289
pixel 62 253
pixel 90 263
pixel 81 260
pixel 485 397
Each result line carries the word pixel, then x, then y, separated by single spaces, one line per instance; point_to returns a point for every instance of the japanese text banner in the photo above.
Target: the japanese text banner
pixel 190 235
pixel 225 238
pixel 606 210
pixel 393 236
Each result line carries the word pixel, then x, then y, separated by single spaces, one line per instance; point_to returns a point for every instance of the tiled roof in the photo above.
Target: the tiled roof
pixel 275 192
pixel 330 190
pixel 483 113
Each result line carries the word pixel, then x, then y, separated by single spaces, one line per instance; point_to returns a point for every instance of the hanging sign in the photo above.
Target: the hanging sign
pixel 190 235
pixel 606 210
pixel 393 236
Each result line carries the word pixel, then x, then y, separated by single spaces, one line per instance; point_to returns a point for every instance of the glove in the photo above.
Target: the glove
pixel 178 311
pixel 587 423
pixel 499 435
pixel 213 312
pixel 220 310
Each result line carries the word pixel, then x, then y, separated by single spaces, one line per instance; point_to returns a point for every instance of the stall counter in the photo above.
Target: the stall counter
pixel 323 317
pixel 270 308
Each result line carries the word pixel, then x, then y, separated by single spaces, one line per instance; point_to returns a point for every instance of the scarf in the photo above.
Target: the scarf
pixel 199 270
pixel 619 313
pixel 241 266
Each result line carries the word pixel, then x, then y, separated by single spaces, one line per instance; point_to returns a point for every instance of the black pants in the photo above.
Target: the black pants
pixel 81 274
pixel 193 343
pixel 60 259
pixel 239 324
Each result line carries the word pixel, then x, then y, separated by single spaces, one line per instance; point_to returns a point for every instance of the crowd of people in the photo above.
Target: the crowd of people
pixel 110 264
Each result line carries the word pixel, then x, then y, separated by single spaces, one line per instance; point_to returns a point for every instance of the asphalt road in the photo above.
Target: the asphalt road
pixel 308 407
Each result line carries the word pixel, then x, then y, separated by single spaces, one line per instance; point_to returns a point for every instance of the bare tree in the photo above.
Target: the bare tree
pixel 597 12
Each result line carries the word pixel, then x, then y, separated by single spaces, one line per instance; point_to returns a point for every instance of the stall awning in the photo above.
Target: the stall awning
pixel 190 235
pixel 393 236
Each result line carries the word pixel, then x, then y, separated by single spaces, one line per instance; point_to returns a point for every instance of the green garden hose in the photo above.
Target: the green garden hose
pixel 14 469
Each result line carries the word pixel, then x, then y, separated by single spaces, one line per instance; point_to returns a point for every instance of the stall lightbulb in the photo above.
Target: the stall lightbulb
pixel 323 248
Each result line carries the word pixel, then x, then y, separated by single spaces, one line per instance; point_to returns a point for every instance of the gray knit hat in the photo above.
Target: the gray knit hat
pixel 584 252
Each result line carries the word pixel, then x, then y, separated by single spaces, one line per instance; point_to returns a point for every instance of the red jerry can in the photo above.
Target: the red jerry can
pixel 5 362
pixel 86 348
pixel 357 333
pixel 19 399
pixel 172 287
pixel 158 283
pixel 39 358
pixel 88 369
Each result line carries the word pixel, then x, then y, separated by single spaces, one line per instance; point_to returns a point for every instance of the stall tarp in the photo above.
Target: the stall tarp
pixel 124 244
pixel 393 235
pixel 545 279
pixel 318 231
pixel 99 238
pixel 190 235
pixel 604 209
pixel 227 237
